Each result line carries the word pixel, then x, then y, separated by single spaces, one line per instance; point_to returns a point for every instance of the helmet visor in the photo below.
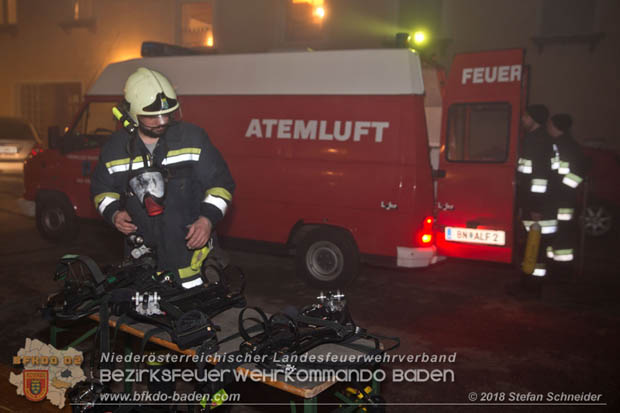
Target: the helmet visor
pixel 155 121
pixel 148 183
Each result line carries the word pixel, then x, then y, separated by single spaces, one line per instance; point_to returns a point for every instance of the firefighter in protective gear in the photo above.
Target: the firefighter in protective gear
pixel 568 166
pixel 533 175
pixel 165 182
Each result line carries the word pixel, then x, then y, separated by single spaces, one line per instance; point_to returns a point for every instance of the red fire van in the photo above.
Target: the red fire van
pixel 340 156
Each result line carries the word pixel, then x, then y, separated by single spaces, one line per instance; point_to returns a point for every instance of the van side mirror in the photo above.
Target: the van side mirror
pixel 53 137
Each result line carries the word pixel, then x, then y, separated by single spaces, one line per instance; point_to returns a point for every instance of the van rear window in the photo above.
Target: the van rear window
pixel 478 132
pixel 15 129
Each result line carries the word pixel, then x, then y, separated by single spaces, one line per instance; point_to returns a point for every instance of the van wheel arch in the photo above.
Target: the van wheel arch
pixel 55 216
pixel 326 256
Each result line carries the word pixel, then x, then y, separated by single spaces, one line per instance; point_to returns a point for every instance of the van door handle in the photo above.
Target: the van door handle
pixel 445 206
pixel 388 206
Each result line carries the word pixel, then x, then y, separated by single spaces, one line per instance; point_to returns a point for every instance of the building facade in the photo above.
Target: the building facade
pixel 54 50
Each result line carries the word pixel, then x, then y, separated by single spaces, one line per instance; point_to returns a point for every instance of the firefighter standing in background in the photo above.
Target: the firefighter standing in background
pixel 533 176
pixel 568 171
pixel 165 181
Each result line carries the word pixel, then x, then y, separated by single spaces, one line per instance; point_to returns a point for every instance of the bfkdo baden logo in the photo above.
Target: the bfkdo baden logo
pixel 36 384
pixel 46 372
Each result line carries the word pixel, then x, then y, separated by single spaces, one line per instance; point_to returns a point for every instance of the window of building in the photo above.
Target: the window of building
pixel 568 21
pixel 49 104
pixel 305 20
pixel 478 132
pixel 197 24
pixel 82 9
pixel 563 17
pixel 79 13
pixel 8 12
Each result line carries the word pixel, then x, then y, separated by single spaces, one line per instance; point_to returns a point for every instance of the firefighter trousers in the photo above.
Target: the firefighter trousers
pixel 562 251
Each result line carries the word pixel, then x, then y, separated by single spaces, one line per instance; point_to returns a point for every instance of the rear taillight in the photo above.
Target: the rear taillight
pixel 425 235
pixel 35 151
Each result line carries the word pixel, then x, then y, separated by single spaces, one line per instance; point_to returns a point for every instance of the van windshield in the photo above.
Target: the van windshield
pixel 93 128
pixel 15 129
pixel 96 119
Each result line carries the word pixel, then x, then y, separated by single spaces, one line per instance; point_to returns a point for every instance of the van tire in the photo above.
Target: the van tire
pixel 327 258
pixel 56 219
pixel 598 220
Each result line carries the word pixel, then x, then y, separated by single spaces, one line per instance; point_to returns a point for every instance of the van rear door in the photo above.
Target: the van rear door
pixel 479 140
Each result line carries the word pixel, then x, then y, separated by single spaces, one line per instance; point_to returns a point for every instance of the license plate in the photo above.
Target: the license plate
pixel 8 149
pixel 475 236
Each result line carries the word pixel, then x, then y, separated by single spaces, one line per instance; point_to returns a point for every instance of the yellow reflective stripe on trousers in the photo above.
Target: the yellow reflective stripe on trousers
pixel 572 180
pixel 564 255
pixel 548 226
pixel 565 214
pixel 194 282
pixel 525 166
pixel 540 270
pixel 549 252
pixel 198 257
pixel 190 275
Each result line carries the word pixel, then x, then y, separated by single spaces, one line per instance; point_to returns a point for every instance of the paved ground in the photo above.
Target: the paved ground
pixel 567 341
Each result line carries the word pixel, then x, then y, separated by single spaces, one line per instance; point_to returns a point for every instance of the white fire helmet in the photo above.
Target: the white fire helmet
pixel 149 93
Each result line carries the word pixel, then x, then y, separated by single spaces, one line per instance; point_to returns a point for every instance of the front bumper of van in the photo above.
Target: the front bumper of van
pixel 26 207
pixel 416 257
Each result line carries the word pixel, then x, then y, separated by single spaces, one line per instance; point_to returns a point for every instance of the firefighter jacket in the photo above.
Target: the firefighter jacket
pixel 533 179
pixel 568 166
pixel 198 182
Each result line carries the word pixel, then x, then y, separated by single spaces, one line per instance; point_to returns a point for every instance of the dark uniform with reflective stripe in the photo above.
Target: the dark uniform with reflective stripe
pixel 568 166
pixel 533 181
pixel 199 183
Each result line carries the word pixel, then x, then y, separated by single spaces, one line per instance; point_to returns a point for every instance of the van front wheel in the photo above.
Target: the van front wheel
pixel 56 219
pixel 327 258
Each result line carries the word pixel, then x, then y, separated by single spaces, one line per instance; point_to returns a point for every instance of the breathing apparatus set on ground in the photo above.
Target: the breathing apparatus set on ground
pixel 279 340
pixel 294 332
pixel 135 292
